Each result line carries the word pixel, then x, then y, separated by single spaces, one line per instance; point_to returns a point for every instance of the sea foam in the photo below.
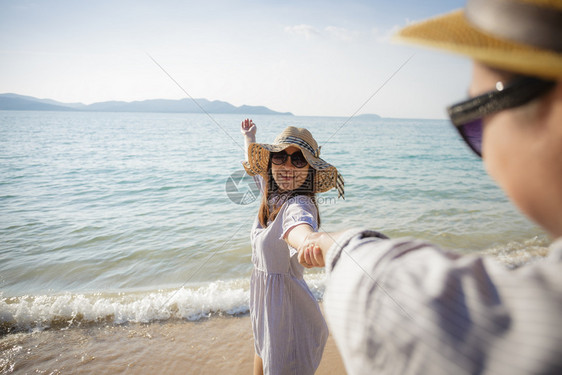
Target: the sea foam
pixel 192 303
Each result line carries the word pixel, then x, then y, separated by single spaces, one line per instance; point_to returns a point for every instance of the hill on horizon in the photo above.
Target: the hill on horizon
pixel 28 103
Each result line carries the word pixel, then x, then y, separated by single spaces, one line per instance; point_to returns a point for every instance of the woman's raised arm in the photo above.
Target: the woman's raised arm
pixel 248 129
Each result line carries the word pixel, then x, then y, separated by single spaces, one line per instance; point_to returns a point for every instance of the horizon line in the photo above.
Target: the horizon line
pixel 278 113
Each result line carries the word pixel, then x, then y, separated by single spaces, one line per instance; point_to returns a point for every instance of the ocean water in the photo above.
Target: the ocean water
pixel 128 217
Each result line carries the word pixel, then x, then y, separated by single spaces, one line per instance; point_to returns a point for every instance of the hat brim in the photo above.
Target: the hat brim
pixel 327 176
pixel 452 32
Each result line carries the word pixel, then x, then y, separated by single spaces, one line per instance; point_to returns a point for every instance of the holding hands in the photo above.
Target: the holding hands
pixel 312 251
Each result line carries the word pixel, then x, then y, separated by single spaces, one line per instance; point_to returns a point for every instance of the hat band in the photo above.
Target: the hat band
pixel 518 21
pixel 300 142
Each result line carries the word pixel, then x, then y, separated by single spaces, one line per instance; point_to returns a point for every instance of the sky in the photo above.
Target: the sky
pixel 311 58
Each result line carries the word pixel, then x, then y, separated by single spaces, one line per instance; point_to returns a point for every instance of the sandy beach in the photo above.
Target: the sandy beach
pixel 219 345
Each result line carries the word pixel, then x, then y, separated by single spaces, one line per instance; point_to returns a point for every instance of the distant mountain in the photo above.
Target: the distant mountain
pixel 29 103
pixel 12 102
pixel 368 116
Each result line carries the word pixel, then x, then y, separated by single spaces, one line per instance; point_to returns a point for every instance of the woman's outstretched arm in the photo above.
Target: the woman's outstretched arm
pixel 298 236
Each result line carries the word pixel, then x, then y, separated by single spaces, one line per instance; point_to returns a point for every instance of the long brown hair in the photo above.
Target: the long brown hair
pixel 271 189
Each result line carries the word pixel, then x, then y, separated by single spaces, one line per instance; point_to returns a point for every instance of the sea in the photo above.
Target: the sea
pixel 119 218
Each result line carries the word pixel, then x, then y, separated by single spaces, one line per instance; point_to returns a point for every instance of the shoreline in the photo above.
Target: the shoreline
pixel 218 345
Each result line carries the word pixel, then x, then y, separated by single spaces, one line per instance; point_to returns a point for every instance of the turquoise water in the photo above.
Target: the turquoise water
pixel 127 217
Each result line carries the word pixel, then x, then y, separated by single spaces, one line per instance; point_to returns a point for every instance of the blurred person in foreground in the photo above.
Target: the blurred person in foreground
pixel 405 306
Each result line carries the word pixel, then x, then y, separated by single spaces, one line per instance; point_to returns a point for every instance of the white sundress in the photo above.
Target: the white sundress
pixel 289 330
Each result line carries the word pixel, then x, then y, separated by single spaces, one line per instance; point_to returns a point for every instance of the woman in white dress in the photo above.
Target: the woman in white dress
pixel 289 330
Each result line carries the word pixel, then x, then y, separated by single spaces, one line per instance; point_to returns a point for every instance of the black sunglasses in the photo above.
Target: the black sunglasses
pixel 297 158
pixel 467 116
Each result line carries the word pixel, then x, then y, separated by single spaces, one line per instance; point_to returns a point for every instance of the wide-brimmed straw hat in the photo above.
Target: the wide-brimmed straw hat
pixel 520 36
pixel 327 176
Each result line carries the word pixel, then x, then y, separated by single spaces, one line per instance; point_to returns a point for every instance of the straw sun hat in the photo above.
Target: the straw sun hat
pixel 327 175
pixel 521 36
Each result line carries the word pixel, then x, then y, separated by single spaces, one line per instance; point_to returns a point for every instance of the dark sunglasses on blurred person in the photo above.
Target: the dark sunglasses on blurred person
pixel 468 115
pixel 297 158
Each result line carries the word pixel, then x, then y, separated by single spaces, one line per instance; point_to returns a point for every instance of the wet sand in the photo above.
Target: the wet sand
pixel 219 345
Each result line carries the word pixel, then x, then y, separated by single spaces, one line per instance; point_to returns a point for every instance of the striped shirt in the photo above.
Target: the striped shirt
pixel 407 307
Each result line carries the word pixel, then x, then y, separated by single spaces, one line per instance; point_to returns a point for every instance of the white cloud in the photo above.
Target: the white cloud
pixel 307 31
pixel 341 33
pixel 329 32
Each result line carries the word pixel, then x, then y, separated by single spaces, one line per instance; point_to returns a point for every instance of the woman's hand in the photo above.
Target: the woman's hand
pixel 248 128
pixel 310 254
